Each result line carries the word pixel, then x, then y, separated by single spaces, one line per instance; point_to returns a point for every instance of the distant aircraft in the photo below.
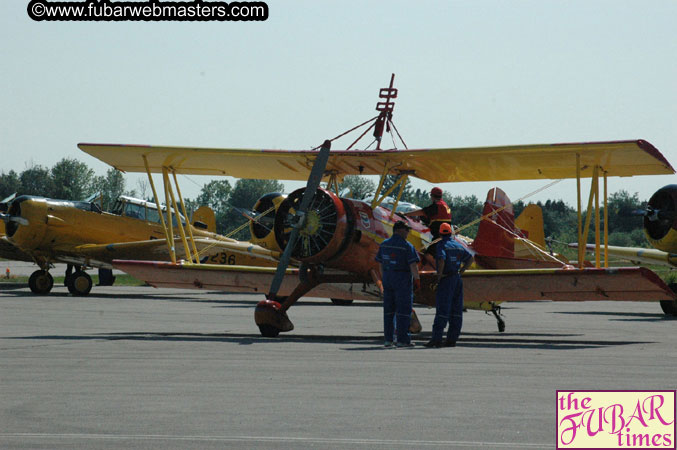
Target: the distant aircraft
pixel 7 250
pixel 78 233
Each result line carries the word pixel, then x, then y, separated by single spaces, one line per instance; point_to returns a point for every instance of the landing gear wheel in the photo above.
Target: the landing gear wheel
pixel 269 331
pixel 41 282
pixel 669 307
pixel 341 302
pixel 80 283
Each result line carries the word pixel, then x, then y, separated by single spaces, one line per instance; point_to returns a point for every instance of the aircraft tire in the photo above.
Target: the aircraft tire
pixel 669 307
pixel 80 283
pixel 40 282
pixel 269 331
pixel 341 302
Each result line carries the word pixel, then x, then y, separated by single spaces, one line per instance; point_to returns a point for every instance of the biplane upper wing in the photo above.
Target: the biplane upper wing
pixel 525 162
pixel 480 286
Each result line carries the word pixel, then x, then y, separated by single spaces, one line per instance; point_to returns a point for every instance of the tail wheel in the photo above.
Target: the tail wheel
pixel 80 283
pixel 41 282
pixel 669 307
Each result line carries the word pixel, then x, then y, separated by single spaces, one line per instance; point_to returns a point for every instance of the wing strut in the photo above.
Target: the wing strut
pixel 171 204
pixel 170 242
pixel 583 229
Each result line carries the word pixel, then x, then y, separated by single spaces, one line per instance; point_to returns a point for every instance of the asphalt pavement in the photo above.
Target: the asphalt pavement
pixel 145 368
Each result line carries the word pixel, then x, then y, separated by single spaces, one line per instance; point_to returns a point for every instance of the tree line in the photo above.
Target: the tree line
pixel 72 180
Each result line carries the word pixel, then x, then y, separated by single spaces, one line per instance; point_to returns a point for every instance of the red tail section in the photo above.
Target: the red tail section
pixel 494 236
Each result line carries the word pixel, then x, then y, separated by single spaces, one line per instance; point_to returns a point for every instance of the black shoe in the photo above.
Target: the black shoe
pixel 433 344
pixel 449 343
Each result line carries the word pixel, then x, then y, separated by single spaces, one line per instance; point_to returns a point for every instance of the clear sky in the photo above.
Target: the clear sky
pixel 470 73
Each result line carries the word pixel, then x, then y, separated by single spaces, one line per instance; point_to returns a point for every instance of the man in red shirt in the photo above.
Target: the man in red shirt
pixel 435 214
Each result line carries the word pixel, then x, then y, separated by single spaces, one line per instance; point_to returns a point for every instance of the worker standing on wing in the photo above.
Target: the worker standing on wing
pixel 452 260
pixel 399 272
pixel 435 214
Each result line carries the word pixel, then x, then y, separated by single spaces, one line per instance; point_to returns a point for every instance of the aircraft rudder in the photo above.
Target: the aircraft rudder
pixel 204 218
pixel 495 235
pixel 530 222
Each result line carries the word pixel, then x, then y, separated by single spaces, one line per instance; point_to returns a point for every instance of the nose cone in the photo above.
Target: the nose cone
pixel 13 211
pixel 24 229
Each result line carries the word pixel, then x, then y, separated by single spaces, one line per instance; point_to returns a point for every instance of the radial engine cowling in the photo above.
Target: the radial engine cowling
pixel 262 229
pixel 326 230
pixel 660 220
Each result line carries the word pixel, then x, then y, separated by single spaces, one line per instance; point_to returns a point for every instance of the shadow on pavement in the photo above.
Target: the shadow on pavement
pixel 524 341
pixel 622 316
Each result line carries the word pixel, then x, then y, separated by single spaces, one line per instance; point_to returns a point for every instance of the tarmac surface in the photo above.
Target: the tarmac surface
pixel 144 368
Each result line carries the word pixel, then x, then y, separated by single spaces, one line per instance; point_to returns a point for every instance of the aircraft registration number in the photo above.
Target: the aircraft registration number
pixel 222 258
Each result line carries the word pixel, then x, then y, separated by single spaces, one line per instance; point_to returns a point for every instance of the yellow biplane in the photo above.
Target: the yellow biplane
pixel 336 238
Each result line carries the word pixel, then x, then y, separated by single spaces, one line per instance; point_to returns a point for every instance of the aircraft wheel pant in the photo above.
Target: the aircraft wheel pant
pixel 397 303
pixel 41 282
pixel 449 308
pixel 270 320
pixel 80 283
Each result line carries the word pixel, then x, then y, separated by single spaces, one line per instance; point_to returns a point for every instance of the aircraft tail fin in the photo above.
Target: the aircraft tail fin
pixel 496 233
pixel 204 218
pixel 530 225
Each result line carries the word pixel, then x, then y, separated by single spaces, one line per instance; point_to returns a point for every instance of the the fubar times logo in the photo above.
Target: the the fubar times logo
pixel 615 419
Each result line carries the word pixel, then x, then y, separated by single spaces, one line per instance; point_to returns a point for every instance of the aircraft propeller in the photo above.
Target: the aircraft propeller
pixel 654 214
pixel 298 223
pixel 5 204
pixel 300 216
pixel 7 218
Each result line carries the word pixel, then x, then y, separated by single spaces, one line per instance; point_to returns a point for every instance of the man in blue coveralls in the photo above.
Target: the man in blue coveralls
pixel 398 260
pixel 452 260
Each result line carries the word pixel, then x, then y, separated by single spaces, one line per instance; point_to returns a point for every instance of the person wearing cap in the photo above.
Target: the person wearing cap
pixel 452 260
pixel 399 273
pixel 435 214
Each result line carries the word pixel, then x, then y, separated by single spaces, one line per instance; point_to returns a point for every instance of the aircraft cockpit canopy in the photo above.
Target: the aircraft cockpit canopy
pixel 141 209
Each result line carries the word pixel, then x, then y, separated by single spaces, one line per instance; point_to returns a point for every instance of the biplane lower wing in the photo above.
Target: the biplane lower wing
pixel 100 255
pixel 11 252
pixel 481 287
pixel 617 284
pixel 244 279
